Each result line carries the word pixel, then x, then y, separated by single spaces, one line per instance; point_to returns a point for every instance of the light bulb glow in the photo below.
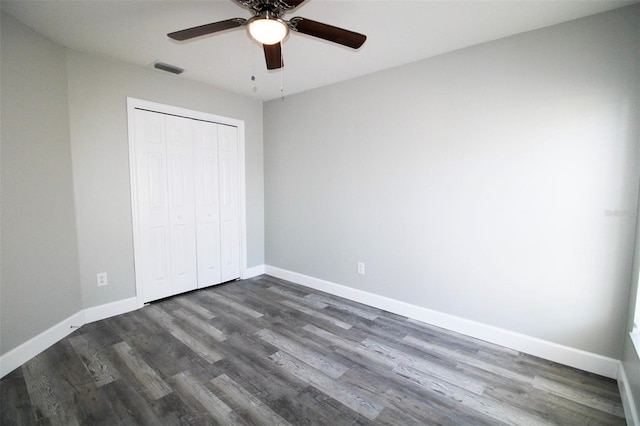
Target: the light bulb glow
pixel 267 31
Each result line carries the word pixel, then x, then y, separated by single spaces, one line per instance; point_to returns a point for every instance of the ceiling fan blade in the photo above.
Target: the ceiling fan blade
pixel 273 56
pixel 207 29
pixel 328 32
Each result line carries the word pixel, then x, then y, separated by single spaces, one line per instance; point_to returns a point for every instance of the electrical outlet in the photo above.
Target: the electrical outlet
pixel 102 279
pixel 360 268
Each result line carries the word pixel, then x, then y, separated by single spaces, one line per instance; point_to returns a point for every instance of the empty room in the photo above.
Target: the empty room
pixel 290 212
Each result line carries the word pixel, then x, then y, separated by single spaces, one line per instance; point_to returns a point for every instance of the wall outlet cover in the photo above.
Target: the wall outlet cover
pixel 102 279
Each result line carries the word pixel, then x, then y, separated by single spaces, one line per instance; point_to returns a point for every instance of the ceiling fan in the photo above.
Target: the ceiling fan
pixel 269 29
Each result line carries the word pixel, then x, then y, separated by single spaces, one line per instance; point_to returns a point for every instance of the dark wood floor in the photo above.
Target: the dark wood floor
pixel 265 351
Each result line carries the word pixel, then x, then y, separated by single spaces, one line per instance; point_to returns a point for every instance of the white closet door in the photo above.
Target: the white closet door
pixel 182 218
pixel 207 203
pixel 152 205
pixel 185 185
pixel 229 202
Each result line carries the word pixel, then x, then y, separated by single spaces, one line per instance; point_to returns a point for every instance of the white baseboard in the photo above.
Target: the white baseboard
pixel 112 309
pixel 23 353
pixel 253 271
pixel 630 409
pixel 32 347
pixel 566 355
pixel 577 358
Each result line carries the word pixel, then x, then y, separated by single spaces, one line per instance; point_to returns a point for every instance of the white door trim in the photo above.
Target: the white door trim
pixel 132 105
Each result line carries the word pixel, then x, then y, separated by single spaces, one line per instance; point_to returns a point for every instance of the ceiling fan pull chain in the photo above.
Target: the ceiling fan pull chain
pixel 253 66
pixel 282 73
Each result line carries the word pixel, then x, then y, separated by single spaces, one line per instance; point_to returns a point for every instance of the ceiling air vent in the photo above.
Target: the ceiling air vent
pixel 168 68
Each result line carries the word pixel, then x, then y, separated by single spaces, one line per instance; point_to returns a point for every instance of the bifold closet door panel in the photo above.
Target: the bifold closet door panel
pixel 229 202
pixel 207 203
pixel 186 203
pixel 165 205
pixel 182 216
pixel 153 255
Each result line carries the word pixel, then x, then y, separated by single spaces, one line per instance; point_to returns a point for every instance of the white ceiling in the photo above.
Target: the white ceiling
pixel 399 32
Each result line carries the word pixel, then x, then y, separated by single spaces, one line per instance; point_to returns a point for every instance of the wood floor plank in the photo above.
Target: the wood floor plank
pixel 312 343
pixel 194 307
pixel 267 351
pixel 189 387
pixel 14 398
pixel 314 359
pixel 444 374
pixel 356 321
pixel 284 393
pixel 92 407
pixel 351 348
pixel 194 321
pixel 159 316
pixel 465 358
pixel 268 281
pixel 433 409
pixel 199 346
pixel 128 405
pixel 569 376
pixel 253 408
pixel 303 300
pixel 353 399
pixel 238 306
pixel 46 397
pixel 433 348
pixel 578 395
pixel 102 333
pixel 229 303
pixel 499 412
pixel 168 355
pixel 278 313
pixel 150 381
pixel 76 388
pixel 333 411
pixel 265 303
pixel 404 395
pixel 134 324
pixel 319 315
pixel 347 307
pixel 457 338
pixel 566 411
pixel 173 410
pixel 93 358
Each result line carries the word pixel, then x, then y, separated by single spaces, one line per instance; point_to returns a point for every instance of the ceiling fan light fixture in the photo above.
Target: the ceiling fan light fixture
pixel 266 29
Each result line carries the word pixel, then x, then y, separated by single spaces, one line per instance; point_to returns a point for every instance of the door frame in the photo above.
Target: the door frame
pixel 132 105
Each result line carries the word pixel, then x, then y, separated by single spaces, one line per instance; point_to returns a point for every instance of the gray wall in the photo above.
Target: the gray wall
pixel 65 176
pixel 39 267
pixel 487 183
pixel 98 88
